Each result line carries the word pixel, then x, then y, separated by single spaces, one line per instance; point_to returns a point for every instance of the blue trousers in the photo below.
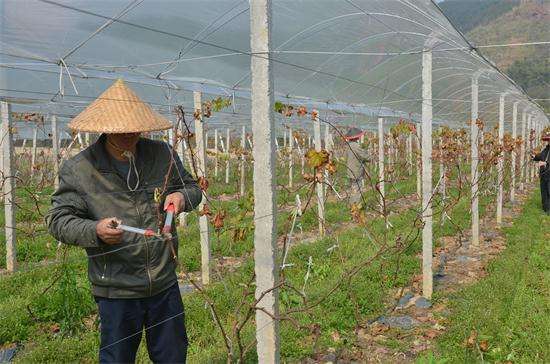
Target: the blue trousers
pixel 123 321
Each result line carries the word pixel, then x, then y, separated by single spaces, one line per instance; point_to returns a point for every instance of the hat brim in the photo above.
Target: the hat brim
pixel 354 136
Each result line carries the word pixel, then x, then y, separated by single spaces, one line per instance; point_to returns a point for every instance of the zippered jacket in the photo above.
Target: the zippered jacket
pixel 90 189
pixel 544 156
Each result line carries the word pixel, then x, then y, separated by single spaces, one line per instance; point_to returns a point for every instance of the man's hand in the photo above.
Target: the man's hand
pixel 106 232
pixel 542 164
pixel 177 199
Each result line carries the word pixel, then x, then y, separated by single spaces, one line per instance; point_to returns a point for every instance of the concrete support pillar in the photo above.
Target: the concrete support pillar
pixel 228 152
pixel 528 164
pixel 216 153
pixel 522 159
pixel 9 187
pixel 265 207
pixel 500 165
pixel 427 218
pixel 290 158
pixel 418 142
pixel 34 147
pixel 55 151
pixel 204 228
pixel 442 171
pixel 513 161
pixel 474 177
pixel 409 154
pixel 319 185
pixel 381 171
pixel 242 166
pixel 179 143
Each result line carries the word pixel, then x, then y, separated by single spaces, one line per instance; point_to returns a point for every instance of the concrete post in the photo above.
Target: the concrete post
pixel 55 152
pixel 475 135
pixel 418 142
pixel 179 143
pixel 409 154
pixel 201 172
pixel 529 144
pixel 319 185
pixel 427 218
pixel 228 151
pixel 381 171
pixel 522 160
pixel 34 146
pixel 9 187
pixel 514 153
pixel 242 167
pixel 442 178
pixel 500 166
pixel 265 207
pixel 216 153
pixel 290 158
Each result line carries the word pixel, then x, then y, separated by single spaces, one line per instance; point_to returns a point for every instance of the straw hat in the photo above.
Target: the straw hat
pixel 353 133
pixel 119 110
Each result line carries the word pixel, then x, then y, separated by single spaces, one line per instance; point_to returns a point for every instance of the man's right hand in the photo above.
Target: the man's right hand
pixel 107 233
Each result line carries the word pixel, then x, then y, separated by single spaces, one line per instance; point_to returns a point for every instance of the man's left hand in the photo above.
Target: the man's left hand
pixel 177 199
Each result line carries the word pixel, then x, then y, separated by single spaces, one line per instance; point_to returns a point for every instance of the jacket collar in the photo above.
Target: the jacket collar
pixel 102 161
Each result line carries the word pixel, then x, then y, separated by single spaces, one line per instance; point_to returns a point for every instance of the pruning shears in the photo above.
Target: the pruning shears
pixel 166 229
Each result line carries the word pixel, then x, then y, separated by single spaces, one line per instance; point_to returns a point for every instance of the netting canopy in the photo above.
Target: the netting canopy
pixel 360 57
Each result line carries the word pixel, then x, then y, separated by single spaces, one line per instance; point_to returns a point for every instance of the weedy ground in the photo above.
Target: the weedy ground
pixel 61 325
pixel 505 317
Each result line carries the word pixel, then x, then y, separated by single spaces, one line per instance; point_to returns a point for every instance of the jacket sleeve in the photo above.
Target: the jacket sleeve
pixel 541 157
pixel 183 182
pixel 362 154
pixel 67 219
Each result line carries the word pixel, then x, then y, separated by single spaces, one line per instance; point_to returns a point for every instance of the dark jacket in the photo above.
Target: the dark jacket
pixel 356 157
pixel 90 189
pixel 544 156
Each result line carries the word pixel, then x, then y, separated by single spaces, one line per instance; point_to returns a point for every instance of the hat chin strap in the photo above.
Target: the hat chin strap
pixel 133 168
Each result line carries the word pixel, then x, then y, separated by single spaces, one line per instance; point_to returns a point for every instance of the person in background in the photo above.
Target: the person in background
pixel 356 157
pixel 125 178
pixel 543 159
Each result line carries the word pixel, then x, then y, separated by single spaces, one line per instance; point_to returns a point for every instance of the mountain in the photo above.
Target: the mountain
pixel 468 14
pixel 493 22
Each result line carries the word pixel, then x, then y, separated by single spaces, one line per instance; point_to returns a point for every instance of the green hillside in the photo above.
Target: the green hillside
pixel 468 14
pixel 509 21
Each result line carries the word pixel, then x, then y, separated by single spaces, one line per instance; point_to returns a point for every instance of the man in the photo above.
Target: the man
pixel 125 178
pixel 356 156
pixel 544 168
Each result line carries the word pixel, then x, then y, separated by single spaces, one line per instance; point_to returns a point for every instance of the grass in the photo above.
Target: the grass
pixel 359 298
pixel 510 308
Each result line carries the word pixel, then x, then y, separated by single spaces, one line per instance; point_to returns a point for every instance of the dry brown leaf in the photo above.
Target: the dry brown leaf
pixel 471 340
pixel 431 333
pixel 484 345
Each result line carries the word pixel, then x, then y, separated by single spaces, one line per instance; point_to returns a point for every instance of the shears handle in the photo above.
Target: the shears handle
pixel 170 210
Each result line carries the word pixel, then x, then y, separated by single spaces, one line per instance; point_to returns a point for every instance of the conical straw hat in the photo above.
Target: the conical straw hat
pixel 119 110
